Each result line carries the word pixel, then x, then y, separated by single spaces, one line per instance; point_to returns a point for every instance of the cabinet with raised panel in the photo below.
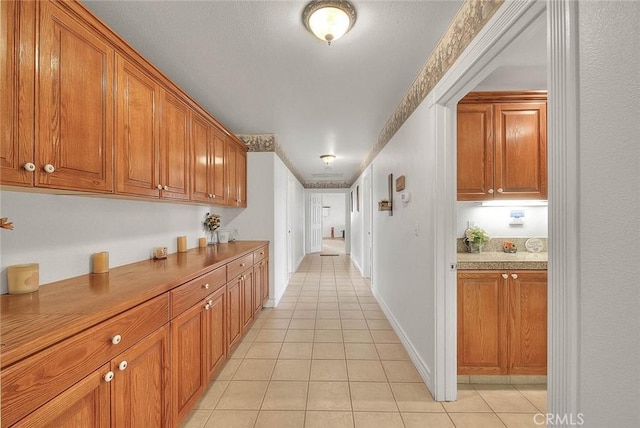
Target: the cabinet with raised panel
pixel 502 322
pixel 502 146
pixel 207 162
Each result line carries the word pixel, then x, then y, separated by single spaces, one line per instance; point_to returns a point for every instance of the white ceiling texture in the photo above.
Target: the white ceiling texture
pixel 254 66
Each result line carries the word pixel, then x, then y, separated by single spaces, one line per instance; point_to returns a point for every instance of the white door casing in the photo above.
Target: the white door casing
pixel 314 223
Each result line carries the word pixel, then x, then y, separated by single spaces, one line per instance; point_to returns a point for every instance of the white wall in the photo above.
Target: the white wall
pixel 280 254
pixel 609 159
pixel 404 244
pixel 356 218
pixel 298 223
pixel 335 219
pixel 61 232
pixel 495 220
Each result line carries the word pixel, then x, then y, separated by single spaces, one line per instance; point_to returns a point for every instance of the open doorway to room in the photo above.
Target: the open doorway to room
pixel 333 224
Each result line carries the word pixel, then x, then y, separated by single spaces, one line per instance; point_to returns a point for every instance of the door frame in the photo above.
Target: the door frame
pixel 367 223
pixel 563 296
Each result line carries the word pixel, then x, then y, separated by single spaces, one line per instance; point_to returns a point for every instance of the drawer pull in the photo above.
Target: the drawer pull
pixel 116 339
pixel 207 307
pixel 206 286
pixel 514 276
pixel 123 365
pixel 505 276
pixel 108 377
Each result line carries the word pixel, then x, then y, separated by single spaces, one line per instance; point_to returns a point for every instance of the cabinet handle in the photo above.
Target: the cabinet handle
pixel 514 276
pixel 206 286
pixel 241 264
pixel 108 377
pixel 123 365
pixel 210 195
pixel 29 167
pixel 210 302
pixel 261 252
pixel 261 263
pixel 490 191
pixel 213 196
pixel 48 168
pixel 207 307
pixel 159 186
pixel 505 276
pixel 500 190
pixel 116 339
pixel 166 187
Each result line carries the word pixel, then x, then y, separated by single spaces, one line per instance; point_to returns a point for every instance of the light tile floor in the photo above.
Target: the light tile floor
pixel 327 357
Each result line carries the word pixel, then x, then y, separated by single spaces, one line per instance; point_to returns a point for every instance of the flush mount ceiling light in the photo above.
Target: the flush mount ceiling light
pixel 327 159
pixel 329 20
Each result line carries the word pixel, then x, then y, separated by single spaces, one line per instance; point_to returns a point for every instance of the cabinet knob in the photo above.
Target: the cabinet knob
pixel 210 195
pixel 210 302
pixel 514 276
pixel 108 377
pixel 500 190
pixel 207 307
pixel 490 191
pixel 206 286
pixel 505 276
pixel 29 167
pixel 48 168
pixel 159 186
pixel 166 187
pixel 241 264
pixel 123 365
pixel 213 196
pixel 116 339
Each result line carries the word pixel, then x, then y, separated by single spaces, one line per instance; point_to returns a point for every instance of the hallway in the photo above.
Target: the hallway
pixel 327 357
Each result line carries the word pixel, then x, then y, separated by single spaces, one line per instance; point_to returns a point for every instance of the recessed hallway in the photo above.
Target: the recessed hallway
pixel 327 357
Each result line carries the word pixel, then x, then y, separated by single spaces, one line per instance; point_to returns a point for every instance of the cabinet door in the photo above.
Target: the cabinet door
pixel 521 150
pixel 247 298
pixel 265 282
pixel 232 176
pixel 137 131
pixel 528 322
pixel 482 322
pixel 201 159
pixel 187 360
pixel 475 152
pixel 85 404
pixel 17 32
pixel 234 312
pixel 216 331
pixel 141 384
pixel 241 171
pixel 258 275
pixel 74 144
pixel 174 149
pixel 219 178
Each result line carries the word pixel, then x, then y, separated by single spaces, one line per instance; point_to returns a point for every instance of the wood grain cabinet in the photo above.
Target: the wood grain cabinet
pixel 502 146
pixel 502 322
pixel 234 312
pixel 207 162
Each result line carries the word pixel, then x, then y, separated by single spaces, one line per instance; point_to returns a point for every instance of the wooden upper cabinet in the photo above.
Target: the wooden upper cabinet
pixel 241 171
pixel 174 147
pixel 502 146
pixel 521 151
pixel 137 131
pixel 201 148
pixel 219 178
pixel 233 152
pixel 475 151
pixel 74 127
pixel 17 29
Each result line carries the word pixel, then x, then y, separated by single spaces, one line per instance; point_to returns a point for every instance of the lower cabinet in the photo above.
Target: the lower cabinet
pixel 247 286
pixel 502 322
pixel 215 331
pixel 234 312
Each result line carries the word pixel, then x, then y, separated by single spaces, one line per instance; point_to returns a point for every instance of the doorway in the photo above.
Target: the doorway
pixel 333 224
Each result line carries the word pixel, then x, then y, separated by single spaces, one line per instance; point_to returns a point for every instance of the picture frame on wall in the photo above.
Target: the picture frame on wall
pixel 358 198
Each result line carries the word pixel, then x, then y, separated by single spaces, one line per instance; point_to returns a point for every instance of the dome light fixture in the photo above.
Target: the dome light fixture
pixel 329 20
pixel 327 159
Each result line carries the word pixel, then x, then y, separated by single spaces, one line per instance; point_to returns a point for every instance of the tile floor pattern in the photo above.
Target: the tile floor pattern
pixel 327 357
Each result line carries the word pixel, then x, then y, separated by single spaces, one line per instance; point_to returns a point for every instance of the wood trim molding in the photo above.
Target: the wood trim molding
pixel 503 97
pixel 564 294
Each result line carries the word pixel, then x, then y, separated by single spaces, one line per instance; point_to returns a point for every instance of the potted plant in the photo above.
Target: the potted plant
pixel 475 238
pixel 211 224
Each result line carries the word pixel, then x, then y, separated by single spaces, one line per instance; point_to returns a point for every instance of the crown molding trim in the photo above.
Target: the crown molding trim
pixel 470 19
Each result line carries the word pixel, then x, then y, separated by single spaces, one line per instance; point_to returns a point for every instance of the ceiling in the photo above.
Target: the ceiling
pixel 254 66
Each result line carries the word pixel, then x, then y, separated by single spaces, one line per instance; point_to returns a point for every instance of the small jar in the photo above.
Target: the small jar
pixel 23 279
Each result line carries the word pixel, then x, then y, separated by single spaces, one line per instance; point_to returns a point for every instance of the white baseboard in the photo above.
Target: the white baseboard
pixel 421 366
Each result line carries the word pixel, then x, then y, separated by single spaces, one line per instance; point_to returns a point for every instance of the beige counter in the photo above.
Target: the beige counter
pixel 497 260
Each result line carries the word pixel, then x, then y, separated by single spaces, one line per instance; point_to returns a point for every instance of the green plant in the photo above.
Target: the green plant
pixel 476 235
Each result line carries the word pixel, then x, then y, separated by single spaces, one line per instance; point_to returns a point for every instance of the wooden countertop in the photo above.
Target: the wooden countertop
pixel 34 321
pixel 498 260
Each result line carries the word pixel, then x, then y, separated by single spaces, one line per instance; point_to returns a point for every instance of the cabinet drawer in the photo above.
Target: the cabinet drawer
pixel 187 295
pixel 238 266
pixel 32 382
pixel 260 254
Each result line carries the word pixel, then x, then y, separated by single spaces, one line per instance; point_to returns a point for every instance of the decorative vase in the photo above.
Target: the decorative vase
pixel 475 247
pixel 213 237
